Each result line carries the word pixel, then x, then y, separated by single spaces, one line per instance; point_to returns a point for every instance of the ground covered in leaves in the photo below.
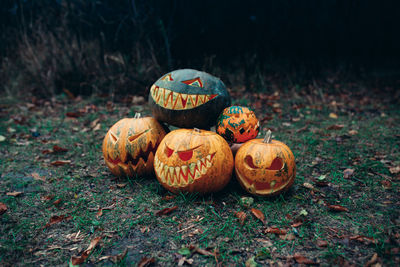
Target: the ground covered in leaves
pixel 59 204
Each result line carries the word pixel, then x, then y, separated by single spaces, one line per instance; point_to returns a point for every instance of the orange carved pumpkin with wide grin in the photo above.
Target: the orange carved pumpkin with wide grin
pixel 130 144
pixel 265 167
pixel 193 161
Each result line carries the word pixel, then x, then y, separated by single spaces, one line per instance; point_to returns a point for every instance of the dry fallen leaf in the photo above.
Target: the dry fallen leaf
pixel 78 260
pixel 386 184
pixel 146 262
pixel 36 176
pixel 56 219
pixel 394 170
pixel 287 237
pixel 3 208
pixel 347 173
pixel 121 185
pixel 73 114
pixel 333 115
pixel 168 197
pixel 60 162
pixel 308 185
pixel 14 194
pixel 300 259
pixel 57 148
pixel 258 214
pixel 99 213
pixel 322 243
pixel 275 230
pixel 337 208
pixel 373 260
pixel 114 258
pixel 363 239
pixel 335 127
pixel 241 216
pixel 353 132
pixel 166 211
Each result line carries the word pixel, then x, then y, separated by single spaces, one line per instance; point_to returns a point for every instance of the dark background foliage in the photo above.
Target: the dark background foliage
pixel 109 46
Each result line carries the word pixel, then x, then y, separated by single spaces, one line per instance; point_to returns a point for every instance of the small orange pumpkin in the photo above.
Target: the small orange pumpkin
pixel 238 124
pixel 130 144
pixel 193 161
pixel 265 167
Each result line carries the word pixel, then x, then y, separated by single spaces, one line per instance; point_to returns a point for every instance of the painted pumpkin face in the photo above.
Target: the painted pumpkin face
pixel 188 98
pixel 238 124
pixel 265 168
pixel 130 145
pixel 193 161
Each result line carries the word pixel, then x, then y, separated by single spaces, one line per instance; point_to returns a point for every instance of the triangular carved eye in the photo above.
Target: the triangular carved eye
pixel 114 138
pixel 136 136
pixel 194 82
pixel 167 77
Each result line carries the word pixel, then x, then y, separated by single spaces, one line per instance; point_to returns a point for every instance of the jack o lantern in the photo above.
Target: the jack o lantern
pixel 188 98
pixel 130 144
pixel 265 167
pixel 238 124
pixel 193 161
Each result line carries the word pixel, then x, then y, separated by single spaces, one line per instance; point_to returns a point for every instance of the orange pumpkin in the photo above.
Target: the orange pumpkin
pixel 238 124
pixel 265 167
pixel 193 161
pixel 130 145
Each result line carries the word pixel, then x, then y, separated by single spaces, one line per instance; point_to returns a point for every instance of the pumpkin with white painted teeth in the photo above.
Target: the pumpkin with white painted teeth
pixel 188 98
pixel 193 161
pixel 265 167
pixel 130 144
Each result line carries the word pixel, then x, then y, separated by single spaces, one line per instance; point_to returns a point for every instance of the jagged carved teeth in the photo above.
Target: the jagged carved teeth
pixel 177 101
pixel 182 175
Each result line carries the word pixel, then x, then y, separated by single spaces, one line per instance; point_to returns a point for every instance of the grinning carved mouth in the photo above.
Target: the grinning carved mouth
pixel 183 175
pixel 177 101
pixel 143 156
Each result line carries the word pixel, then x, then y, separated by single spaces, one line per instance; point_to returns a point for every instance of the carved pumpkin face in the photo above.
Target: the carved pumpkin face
pixel 238 124
pixel 130 145
pixel 193 161
pixel 188 98
pixel 265 168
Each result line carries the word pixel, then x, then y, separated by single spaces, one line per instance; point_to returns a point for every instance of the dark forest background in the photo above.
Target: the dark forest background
pixel 123 46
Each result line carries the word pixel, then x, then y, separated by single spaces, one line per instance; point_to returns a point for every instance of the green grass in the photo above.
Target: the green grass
pixel 208 222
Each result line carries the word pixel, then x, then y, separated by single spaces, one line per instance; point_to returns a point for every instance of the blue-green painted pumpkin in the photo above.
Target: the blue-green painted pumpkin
pixel 188 98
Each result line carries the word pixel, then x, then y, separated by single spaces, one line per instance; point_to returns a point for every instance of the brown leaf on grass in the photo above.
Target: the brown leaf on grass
pixel 363 239
pixel 297 224
pixel 14 194
pixel 275 230
pixel 36 176
pixel 335 127
pixel 394 170
pixel 322 243
pixel 333 115
pixel 121 185
pixel 57 148
pixel 386 184
pixel 204 252
pixel 47 151
pixel 347 173
pixel 353 132
pixel 302 129
pixel 166 211
pixel 372 261
pixel 3 208
pixel 337 208
pixel 258 214
pixel 300 259
pixel 99 213
pixel 168 197
pixel 241 216
pixel 60 162
pixel 48 197
pixel 73 114
pixel 288 237
pixel 78 260
pixel 115 258
pixel 56 219
pixel 57 202
pixel 144 262
pixel 308 185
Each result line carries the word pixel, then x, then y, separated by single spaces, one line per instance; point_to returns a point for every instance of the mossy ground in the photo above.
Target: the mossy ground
pixel 327 133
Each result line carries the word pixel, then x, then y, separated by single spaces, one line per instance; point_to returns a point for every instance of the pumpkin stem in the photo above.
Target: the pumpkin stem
pixel 267 138
pixel 137 115
pixel 197 130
